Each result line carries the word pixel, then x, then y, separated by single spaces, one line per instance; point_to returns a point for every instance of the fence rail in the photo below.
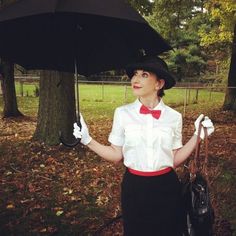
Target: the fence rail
pixel 187 93
pixel 117 80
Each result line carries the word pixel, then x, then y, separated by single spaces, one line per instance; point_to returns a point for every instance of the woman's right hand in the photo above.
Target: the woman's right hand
pixel 83 133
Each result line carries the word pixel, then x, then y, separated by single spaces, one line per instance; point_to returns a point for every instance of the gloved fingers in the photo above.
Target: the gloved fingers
pixel 198 120
pixel 83 124
pixel 77 134
pixel 207 123
pixel 76 126
pixel 210 130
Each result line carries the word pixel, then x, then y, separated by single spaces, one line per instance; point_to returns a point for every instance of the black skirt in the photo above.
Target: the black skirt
pixel 151 206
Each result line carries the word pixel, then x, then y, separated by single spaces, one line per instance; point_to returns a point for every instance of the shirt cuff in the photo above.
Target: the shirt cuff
pixel 177 145
pixel 118 141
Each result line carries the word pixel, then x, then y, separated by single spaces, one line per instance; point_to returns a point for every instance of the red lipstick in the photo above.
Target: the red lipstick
pixel 136 87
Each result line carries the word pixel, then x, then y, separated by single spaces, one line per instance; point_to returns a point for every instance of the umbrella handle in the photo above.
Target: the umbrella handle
pixel 62 140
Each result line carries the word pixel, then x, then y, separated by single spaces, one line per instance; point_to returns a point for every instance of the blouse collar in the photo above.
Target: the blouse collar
pixel 159 106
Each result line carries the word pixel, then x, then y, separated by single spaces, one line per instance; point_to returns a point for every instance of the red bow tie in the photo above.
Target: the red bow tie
pixel 155 113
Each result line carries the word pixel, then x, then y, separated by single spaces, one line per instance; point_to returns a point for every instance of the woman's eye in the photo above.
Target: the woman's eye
pixel 145 75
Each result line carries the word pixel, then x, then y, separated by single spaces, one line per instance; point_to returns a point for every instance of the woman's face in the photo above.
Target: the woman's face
pixel 145 83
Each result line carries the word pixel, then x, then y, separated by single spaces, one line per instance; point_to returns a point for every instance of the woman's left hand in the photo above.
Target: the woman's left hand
pixel 207 123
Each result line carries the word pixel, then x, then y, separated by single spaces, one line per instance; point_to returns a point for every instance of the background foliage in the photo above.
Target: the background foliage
pixel 200 32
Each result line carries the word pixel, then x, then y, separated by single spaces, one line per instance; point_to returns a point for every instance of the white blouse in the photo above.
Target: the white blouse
pixel 147 143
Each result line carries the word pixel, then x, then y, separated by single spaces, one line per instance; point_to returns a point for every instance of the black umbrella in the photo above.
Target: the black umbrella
pixel 84 36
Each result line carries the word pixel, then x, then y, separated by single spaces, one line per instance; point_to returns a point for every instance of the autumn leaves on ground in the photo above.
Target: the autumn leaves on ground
pixel 61 191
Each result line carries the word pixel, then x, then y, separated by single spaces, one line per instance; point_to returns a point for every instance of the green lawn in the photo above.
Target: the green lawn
pixel 28 89
pixel 103 99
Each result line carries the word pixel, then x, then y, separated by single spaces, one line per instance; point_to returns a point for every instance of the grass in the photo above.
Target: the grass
pixel 103 99
pixel 28 89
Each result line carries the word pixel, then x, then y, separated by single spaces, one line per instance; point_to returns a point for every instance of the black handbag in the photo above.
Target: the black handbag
pixel 198 211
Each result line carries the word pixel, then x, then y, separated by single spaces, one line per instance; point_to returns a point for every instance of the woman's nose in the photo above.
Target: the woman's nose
pixel 135 78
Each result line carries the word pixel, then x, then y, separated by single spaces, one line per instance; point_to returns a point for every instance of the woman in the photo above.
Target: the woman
pixel 147 136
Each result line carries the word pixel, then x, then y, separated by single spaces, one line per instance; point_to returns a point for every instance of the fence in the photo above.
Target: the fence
pixel 108 91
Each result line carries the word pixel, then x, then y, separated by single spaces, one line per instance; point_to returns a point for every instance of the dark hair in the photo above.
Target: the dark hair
pixel 161 93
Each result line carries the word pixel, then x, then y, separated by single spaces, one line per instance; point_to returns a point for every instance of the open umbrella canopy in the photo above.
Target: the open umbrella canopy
pixel 99 35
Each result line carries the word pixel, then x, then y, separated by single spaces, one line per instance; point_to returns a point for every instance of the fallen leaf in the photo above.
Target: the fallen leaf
pixel 10 206
pixel 58 213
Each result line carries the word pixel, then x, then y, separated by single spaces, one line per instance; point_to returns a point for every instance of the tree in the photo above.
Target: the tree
pixel 219 31
pixel 170 18
pixel 230 95
pixel 57 99
pixel 144 7
pixel 8 83
pixel 177 21
pixel 56 107
pixel 221 36
pixel 56 103
pixel 10 108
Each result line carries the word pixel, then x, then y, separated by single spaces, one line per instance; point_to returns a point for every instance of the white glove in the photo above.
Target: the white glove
pixel 207 123
pixel 83 133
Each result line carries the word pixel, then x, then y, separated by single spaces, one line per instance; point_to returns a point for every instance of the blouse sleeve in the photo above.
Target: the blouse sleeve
pixel 177 141
pixel 117 136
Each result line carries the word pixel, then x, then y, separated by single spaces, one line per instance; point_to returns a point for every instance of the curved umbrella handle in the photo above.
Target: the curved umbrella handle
pixel 68 144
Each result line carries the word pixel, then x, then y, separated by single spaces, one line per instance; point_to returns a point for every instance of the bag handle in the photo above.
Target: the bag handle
pixel 204 168
pixel 194 167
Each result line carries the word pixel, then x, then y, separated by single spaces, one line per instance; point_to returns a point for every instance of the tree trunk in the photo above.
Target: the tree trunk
pixel 230 95
pixel 10 108
pixel 56 107
pixel 8 82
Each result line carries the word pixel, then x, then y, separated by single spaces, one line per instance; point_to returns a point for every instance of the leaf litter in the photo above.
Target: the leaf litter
pixel 57 190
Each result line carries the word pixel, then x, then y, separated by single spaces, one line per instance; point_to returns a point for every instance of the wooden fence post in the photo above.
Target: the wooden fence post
pixel 185 101
pixel 210 93
pixel 125 99
pixel 21 88
pixel 196 98
pixel 189 92
pixel 102 91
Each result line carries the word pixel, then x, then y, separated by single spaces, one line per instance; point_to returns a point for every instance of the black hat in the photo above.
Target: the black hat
pixel 155 65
